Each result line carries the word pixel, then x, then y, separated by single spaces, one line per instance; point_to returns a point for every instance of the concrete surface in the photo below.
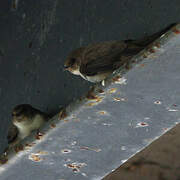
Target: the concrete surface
pixel 159 161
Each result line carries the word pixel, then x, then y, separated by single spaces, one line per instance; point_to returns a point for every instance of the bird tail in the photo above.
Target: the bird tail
pixel 149 39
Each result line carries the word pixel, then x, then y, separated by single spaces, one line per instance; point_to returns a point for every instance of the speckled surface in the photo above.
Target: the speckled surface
pixel 159 161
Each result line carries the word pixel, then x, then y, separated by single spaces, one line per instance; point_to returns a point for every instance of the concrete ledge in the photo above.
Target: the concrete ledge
pixel 159 161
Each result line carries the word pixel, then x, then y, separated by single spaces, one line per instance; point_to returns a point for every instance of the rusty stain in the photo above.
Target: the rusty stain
pixel 66 151
pixel 97 100
pixel 120 80
pixel 175 105
pixel 52 125
pixel 92 97
pixel 165 129
pixel 41 153
pixel 142 124
pixel 89 148
pixel 151 50
pixel 35 158
pixel 91 104
pixel 90 94
pixel 119 99
pixel 176 31
pixel 30 144
pixel 75 170
pixel 62 114
pixel 67 160
pixel 18 148
pixel 72 166
pixel 112 90
pixel 73 115
pixel 102 112
pixel 116 78
pixel 142 65
pixel 39 136
pixel 65 120
pixel 75 166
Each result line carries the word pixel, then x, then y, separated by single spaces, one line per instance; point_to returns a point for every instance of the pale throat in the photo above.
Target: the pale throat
pixel 75 71
pixel 26 128
pixel 20 125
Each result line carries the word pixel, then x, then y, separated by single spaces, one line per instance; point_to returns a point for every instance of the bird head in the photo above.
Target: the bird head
pixel 73 61
pixel 22 114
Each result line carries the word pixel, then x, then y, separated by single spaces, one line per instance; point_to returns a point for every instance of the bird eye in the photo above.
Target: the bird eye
pixel 70 63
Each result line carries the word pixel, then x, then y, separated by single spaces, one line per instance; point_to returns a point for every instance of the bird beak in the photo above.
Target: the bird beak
pixel 66 68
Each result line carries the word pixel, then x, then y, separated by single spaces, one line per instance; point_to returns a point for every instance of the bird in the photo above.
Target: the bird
pixel 96 61
pixel 12 134
pixel 25 119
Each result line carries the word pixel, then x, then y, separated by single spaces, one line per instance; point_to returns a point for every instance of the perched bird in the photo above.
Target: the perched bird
pixel 95 62
pixel 12 134
pixel 25 119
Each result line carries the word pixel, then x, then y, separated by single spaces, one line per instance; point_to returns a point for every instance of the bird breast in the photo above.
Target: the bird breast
pixel 98 77
pixel 26 128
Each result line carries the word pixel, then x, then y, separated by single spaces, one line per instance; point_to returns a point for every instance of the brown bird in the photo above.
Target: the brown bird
pixel 95 62
pixel 25 119
pixel 12 134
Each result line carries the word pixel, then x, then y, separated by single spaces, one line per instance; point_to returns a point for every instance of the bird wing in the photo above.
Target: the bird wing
pixel 12 134
pixel 100 57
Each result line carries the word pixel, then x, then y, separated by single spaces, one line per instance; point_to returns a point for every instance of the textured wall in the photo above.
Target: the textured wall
pixel 36 36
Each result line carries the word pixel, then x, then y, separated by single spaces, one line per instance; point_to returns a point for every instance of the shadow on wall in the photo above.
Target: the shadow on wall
pixel 35 38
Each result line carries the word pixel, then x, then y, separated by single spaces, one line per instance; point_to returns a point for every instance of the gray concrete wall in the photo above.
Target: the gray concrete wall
pixel 36 36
